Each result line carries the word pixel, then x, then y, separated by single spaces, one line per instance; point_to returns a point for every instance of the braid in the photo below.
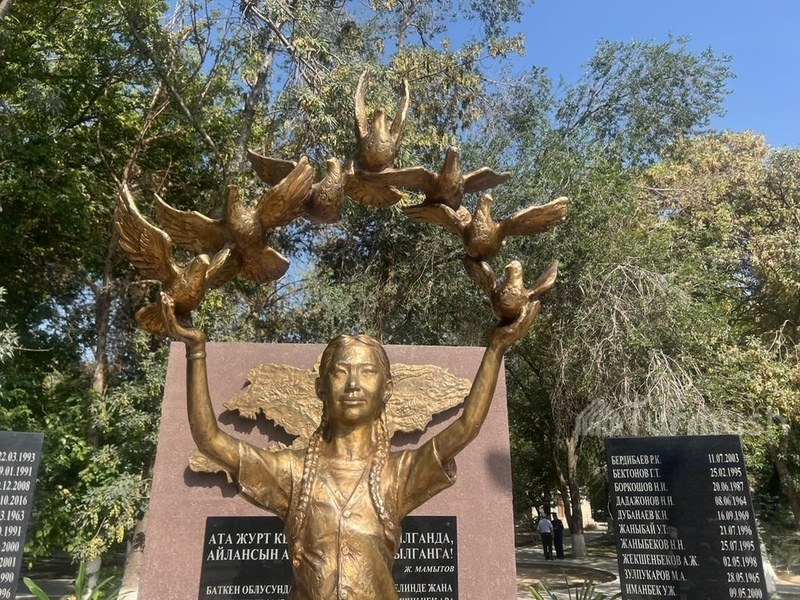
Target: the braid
pixel 381 454
pixel 309 475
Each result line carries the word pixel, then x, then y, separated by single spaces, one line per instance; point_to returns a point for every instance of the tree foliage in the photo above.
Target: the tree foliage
pixel 734 202
pixel 637 96
pixel 621 341
pixel 677 295
pixel 166 99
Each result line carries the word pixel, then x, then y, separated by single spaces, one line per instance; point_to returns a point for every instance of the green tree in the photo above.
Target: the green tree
pixel 9 340
pixel 733 202
pixel 68 89
pixel 620 329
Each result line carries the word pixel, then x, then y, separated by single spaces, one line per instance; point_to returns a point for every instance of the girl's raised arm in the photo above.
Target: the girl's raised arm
pixel 476 406
pixel 210 439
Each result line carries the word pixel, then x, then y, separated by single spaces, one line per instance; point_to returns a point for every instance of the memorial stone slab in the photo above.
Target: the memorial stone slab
pixel 184 504
pixel 247 558
pixel 684 518
pixel 20 454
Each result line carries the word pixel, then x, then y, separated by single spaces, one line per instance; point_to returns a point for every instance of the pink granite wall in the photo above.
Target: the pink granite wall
pixel 181 500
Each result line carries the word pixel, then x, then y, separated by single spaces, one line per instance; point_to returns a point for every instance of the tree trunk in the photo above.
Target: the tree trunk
pixel 778 456
pixel 576 523
pixel 5 8
pixel 563 489
pixel 92 574
pixel 99 375
pixel 102 316
pixel 102 324
pixel 129 590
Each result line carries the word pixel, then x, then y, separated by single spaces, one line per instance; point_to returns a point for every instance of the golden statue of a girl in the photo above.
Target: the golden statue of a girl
pixel 342 498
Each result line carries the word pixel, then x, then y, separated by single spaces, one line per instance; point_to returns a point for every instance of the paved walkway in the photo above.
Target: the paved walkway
pixel 531 560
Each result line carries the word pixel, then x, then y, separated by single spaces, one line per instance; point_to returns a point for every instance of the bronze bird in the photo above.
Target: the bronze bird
pixel 150 250
pixel 378 144
pixel 509 297
pixel 481 234
pixel 324 203
pixel 243 227
pixel 447 187
pixel 368 194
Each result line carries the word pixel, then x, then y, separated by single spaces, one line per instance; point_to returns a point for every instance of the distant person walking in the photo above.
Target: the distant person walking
pixel 546 531
pixel 558 535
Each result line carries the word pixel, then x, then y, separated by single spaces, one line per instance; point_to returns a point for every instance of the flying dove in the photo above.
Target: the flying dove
pixel 150 250
pixel 244 227
pixel 324 203
pixel 447 187
pixel 481 234
pixel 509 297
pixel 378 144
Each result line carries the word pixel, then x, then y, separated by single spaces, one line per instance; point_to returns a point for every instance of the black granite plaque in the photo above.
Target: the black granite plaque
pixel 246 558
pixel 20 454
pixel 684 518
pixel 426 565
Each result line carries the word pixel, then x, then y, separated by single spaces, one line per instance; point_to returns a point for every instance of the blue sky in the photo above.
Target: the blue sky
pixel 761 36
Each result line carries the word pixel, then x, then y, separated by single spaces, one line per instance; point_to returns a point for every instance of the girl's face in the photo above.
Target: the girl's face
pixel 354 387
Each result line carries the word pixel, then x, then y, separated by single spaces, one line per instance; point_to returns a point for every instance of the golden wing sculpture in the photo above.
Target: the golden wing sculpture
pixel 283 394
pixel 287 396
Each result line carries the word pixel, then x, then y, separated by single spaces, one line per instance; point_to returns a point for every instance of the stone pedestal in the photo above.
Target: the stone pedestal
pixel 181 500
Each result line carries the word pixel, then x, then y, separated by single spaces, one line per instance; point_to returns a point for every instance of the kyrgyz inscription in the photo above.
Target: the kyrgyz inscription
pixel 247 558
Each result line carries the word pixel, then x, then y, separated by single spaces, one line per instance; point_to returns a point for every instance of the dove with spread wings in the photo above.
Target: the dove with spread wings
pixel 242 227
pixel 150 250
pixel 324 202
pixel 508 297
pixel 447 187
pixel 481 234
pixel 378 143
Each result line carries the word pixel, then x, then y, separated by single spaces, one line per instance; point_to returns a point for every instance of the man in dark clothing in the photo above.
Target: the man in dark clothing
pixel 558 535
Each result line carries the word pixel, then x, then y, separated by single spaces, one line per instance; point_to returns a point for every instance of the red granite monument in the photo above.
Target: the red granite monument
pixel 182 500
